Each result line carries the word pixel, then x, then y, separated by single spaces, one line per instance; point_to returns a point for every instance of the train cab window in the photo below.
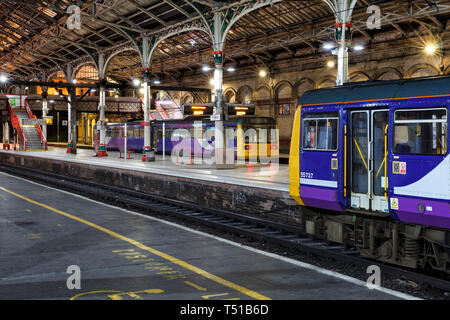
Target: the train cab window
pixel 320 132
pixel 421 131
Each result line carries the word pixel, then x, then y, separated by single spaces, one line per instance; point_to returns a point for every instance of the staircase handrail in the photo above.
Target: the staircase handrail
pixel 37 127
pixel 17 125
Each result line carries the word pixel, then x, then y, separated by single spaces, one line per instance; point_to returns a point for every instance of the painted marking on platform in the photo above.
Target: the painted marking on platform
pixel 195 286
pixel 215 295
pixel 117 295
pixel 161 254
pixel 133 294
pixel 158 267
pixel 34 236
pixel 94 292
pixel 28 210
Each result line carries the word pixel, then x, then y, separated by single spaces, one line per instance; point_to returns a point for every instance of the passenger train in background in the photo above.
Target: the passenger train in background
pixel 369 163
pixel 198 136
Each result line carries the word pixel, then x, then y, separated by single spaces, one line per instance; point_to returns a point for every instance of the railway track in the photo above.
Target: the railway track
pixel 287 236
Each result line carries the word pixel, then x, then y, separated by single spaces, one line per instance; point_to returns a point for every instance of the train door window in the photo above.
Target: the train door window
pixel 421 131
pixel 320 132
pixel 360 147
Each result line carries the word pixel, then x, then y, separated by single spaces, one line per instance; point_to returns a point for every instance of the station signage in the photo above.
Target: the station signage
pixel 36 122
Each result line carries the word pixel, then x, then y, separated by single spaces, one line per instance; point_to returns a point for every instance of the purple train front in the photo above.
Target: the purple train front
pixel 375 150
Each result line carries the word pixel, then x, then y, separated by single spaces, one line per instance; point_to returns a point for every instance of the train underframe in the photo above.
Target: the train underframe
pixel 382 238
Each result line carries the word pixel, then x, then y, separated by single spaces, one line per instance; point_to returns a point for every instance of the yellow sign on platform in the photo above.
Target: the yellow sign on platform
pixel 48 120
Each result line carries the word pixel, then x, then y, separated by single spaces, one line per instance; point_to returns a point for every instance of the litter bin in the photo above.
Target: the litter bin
pixel 150 155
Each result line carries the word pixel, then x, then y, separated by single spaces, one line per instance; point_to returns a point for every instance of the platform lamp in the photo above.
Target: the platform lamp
pixel 3 82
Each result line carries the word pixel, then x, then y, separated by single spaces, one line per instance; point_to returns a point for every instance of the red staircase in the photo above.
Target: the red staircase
pixel 30 137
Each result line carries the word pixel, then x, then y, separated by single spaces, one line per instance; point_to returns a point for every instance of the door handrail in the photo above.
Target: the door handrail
pixel 385 160
pixel 360 153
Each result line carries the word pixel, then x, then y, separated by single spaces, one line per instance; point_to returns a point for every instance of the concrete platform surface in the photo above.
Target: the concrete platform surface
pixel 272 176
pixel 123 255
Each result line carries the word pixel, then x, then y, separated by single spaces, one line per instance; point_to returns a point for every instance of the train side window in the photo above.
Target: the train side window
pixel 130 132
pixel 421 131
pixel 320 132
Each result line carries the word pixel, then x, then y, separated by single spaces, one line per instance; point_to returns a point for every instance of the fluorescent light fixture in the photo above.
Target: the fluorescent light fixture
pixel 231 69
pixel 206 68
pixel 329 46
pixel 358 47
pixel 136 82
pixel 156 81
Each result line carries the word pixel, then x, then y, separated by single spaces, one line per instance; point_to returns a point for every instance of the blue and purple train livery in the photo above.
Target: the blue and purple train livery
pixel 375 148
pixel 196 136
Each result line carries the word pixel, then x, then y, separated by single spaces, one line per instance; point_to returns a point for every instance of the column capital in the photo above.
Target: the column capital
pixel 146 73
pixel 219 57
pixel 102 82
pixel 339 31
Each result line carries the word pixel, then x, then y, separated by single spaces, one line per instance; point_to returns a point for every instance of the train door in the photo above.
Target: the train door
pixel 367 148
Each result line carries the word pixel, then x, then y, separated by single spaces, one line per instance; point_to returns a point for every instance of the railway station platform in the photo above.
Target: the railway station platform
pixel 247 188
pixel 122 255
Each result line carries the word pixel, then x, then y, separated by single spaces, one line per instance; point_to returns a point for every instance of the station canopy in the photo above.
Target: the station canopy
pixel 36 40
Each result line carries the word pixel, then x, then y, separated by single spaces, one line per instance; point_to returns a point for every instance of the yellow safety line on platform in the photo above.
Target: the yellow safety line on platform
pixel 163 255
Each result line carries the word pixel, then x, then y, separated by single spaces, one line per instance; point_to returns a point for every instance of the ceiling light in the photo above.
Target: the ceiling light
pixel 3 78
pixel 431 48
pixel 231 69
pixel 136 82
pixel 329 46
pixel 156 81
pixel 262 73
pixel 206 68
pixel 358 47
pixel 330 64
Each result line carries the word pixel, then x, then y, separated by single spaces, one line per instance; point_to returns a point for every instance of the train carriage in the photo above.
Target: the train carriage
pixel 371 151
pixel 253 137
